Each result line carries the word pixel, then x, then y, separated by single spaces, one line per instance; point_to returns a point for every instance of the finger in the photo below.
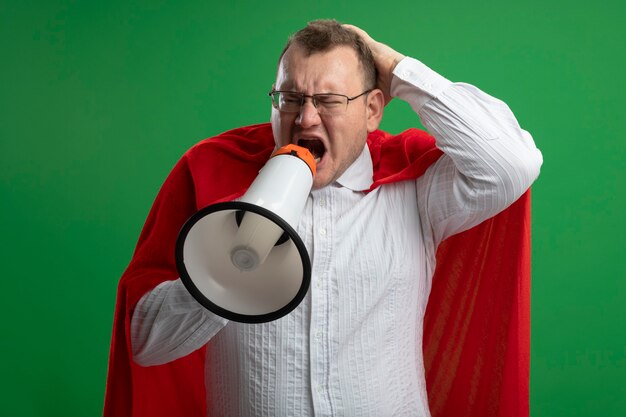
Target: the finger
pixel 369 41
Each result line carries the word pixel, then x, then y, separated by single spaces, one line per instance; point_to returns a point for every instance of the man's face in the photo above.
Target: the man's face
pixel 336 139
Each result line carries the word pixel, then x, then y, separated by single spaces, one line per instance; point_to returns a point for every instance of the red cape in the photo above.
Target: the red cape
pixel 477 325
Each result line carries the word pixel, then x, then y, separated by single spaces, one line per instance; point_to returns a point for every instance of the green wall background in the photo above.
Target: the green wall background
pixel 99 100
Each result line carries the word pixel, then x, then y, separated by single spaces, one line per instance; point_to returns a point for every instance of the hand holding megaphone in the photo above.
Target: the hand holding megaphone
pixel 231 256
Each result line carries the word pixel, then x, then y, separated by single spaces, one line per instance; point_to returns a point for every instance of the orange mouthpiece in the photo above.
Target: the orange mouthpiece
pixel 300 152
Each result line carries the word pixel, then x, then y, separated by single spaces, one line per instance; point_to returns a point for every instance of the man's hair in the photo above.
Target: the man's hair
pixel 326 34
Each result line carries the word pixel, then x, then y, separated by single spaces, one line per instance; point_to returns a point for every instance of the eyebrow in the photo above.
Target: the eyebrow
pixel 290 86
pixel 314 94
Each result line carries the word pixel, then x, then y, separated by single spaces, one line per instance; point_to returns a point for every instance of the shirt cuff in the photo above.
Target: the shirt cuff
pixel 415 83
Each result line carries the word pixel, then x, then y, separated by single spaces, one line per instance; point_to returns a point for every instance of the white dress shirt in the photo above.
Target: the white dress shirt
pixel 353 347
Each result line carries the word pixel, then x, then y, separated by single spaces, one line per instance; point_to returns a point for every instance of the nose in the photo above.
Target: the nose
pixel 308 116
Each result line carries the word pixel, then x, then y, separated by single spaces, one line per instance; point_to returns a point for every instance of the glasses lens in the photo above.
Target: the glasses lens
pixel 331 103
pixel 292 102
pixel 286 101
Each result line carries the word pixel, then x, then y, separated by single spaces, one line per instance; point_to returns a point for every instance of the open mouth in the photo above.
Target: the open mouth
pixel 315 146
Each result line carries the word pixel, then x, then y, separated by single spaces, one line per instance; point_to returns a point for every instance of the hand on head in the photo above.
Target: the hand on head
pixel 385 57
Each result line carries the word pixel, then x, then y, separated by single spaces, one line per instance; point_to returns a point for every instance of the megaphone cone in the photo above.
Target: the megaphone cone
pixel 242 259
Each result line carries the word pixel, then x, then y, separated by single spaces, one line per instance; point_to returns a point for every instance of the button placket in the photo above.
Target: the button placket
pixel 320 309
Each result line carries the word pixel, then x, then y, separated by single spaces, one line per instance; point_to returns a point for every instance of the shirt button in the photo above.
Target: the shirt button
pixel 322 202
pixel 320 388
pixel 318 335
pixel 323 232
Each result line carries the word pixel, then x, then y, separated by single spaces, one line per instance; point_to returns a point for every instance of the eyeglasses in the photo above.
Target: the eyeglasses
pixel 327 103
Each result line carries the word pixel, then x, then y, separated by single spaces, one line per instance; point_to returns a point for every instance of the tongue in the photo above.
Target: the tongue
pixel 315 146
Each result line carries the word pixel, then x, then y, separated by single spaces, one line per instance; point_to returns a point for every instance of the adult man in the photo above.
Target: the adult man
pixel 353 347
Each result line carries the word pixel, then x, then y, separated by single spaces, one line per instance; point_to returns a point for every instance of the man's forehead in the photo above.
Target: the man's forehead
pixel 296 53
pixel 328 66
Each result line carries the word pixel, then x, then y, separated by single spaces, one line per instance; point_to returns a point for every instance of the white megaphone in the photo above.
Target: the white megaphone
pixel 242 259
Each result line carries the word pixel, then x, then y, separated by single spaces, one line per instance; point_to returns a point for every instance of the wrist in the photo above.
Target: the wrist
pixel 394 61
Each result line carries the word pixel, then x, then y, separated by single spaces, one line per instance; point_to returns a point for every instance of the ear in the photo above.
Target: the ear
pixel 375 106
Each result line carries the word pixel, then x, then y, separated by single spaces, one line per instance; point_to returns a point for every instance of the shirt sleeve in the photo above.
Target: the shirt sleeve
pixel 168 323
pixel 488 161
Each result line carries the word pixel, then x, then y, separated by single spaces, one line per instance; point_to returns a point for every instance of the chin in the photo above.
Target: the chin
pixel 317 186
pixel 320 182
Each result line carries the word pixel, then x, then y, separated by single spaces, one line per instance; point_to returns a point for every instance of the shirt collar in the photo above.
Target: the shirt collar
pixel 358 176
